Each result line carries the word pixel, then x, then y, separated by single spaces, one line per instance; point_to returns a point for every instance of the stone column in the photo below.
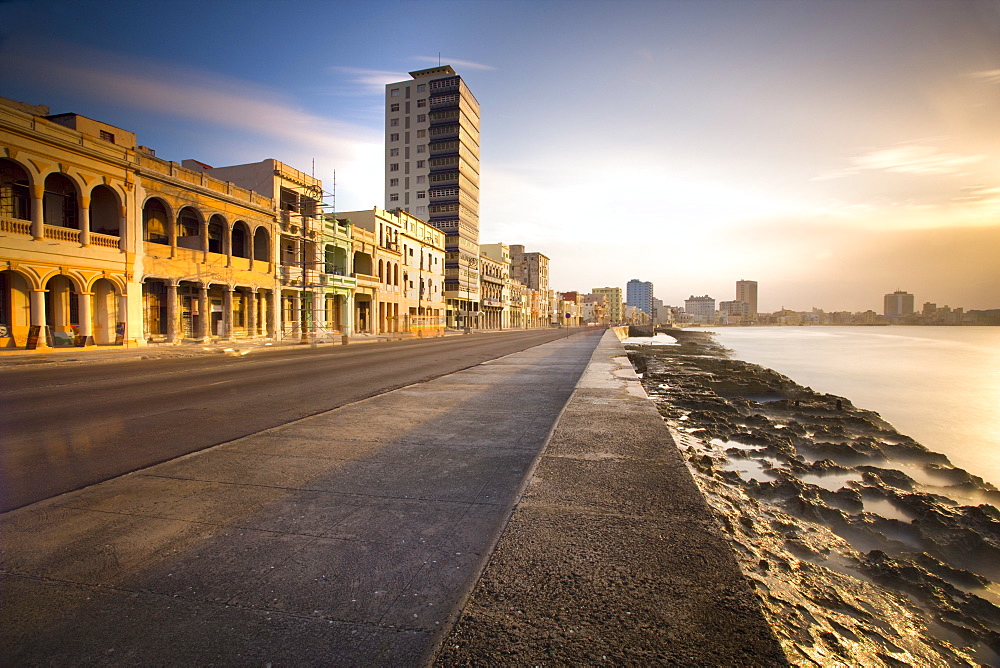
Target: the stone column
pixel 38 212
pixel 85 306
pixel 251 307
pixel 271 306
pixel 123 239
pixel 227 315
pixel 38 307
pixel 85 221
pixel 37 301
pixel 172 312
pixel 204 313
pixel 296 313
pixel 123 318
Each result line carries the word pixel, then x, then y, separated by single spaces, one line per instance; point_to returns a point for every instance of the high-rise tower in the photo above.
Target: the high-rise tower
pixel 746 291
pixel 432 171
pixel 640 294
pixel 898 303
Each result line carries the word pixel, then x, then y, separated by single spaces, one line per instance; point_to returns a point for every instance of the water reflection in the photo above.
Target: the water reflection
pixel 939 385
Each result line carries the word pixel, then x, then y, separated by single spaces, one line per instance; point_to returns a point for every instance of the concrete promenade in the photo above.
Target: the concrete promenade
pixel 354 537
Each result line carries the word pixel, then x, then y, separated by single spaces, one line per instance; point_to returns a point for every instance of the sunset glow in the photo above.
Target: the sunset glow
pixel 832 151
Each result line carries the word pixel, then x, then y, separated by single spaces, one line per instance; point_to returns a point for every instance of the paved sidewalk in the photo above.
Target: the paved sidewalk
pixel 348 538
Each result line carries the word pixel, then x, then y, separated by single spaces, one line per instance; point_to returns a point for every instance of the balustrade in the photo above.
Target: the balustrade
pixel 15 226
pixel 104 240
pixel 62 233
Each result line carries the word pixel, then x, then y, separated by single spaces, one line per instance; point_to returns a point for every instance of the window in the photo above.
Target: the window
pixel 393 182
pixel 421 118
pixel 394 92
pixel 421 179
pixel 421 163
pixel 421 88
pixel 107 136
pixel 154 217
pixel 394 136
pixel 393 122
pixel 393 197
pixel 422 148
pixel 394 106
pixel 422 103
pixel 215 233
pixel 421 133
pixel 393 152
pixel 421 194
pixel 15 198
pixel 422 209
pixel 394 167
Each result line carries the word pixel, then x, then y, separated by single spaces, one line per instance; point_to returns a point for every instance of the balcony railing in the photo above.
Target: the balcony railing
pixel 15 226
pixel 104 240
pixel 62 233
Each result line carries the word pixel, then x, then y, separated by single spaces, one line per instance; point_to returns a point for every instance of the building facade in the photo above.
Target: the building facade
pixel 499 256
pixel 104 243
pixel 746 291
pixel 898 303
pixel 640 294
pixel 594 309
pixel 615 306
pixel 313 304
pixel 700 309
pixel 68 234
pixel 432 171
pixel 531 269
pixel 734 312
pixel 423 297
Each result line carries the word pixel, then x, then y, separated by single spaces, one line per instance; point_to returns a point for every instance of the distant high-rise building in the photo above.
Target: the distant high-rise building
pixel 639 294
pixel 746 291
pixel 432 171
pixel 898 303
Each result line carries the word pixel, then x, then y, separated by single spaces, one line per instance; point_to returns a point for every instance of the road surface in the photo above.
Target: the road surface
pixel 67 427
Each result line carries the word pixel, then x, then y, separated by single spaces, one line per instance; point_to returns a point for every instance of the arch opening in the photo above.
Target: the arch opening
pixel 104 217
pixel 60 205
pixel 15 194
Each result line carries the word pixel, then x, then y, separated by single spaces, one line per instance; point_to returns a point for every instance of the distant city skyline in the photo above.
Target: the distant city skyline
pixel 832 150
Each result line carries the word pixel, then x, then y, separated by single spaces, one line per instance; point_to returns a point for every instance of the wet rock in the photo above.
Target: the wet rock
pixel 840 583
pixel 886 477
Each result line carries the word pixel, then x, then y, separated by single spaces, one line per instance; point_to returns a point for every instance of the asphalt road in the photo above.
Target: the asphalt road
pixel 67 427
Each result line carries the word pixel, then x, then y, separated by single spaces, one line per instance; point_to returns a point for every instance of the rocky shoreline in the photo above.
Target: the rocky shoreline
pixel 864 547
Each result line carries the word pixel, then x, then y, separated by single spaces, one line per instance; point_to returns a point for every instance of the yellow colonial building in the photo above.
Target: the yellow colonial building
pixel 67 248
pixel 101 242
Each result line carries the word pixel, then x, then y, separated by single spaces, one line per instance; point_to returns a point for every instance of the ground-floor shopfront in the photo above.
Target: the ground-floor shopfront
pixel 42 306
pixel 175 311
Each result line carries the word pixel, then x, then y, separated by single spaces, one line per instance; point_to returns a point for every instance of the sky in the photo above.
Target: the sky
pixel 832 150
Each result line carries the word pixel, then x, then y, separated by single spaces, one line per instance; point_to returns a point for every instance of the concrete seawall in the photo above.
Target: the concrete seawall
pixel 612 554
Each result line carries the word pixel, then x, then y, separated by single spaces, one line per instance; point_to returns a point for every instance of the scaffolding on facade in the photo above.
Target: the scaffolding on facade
pixel 306 216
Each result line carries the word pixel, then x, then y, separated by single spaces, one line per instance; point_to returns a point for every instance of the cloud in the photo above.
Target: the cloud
pixel 990 76
pixel 370 81
pixel 917 159
pixel 464 64
pixel 229 119
pixel 194 95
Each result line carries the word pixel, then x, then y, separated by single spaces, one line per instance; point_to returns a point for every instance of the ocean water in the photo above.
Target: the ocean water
pixel 938 385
